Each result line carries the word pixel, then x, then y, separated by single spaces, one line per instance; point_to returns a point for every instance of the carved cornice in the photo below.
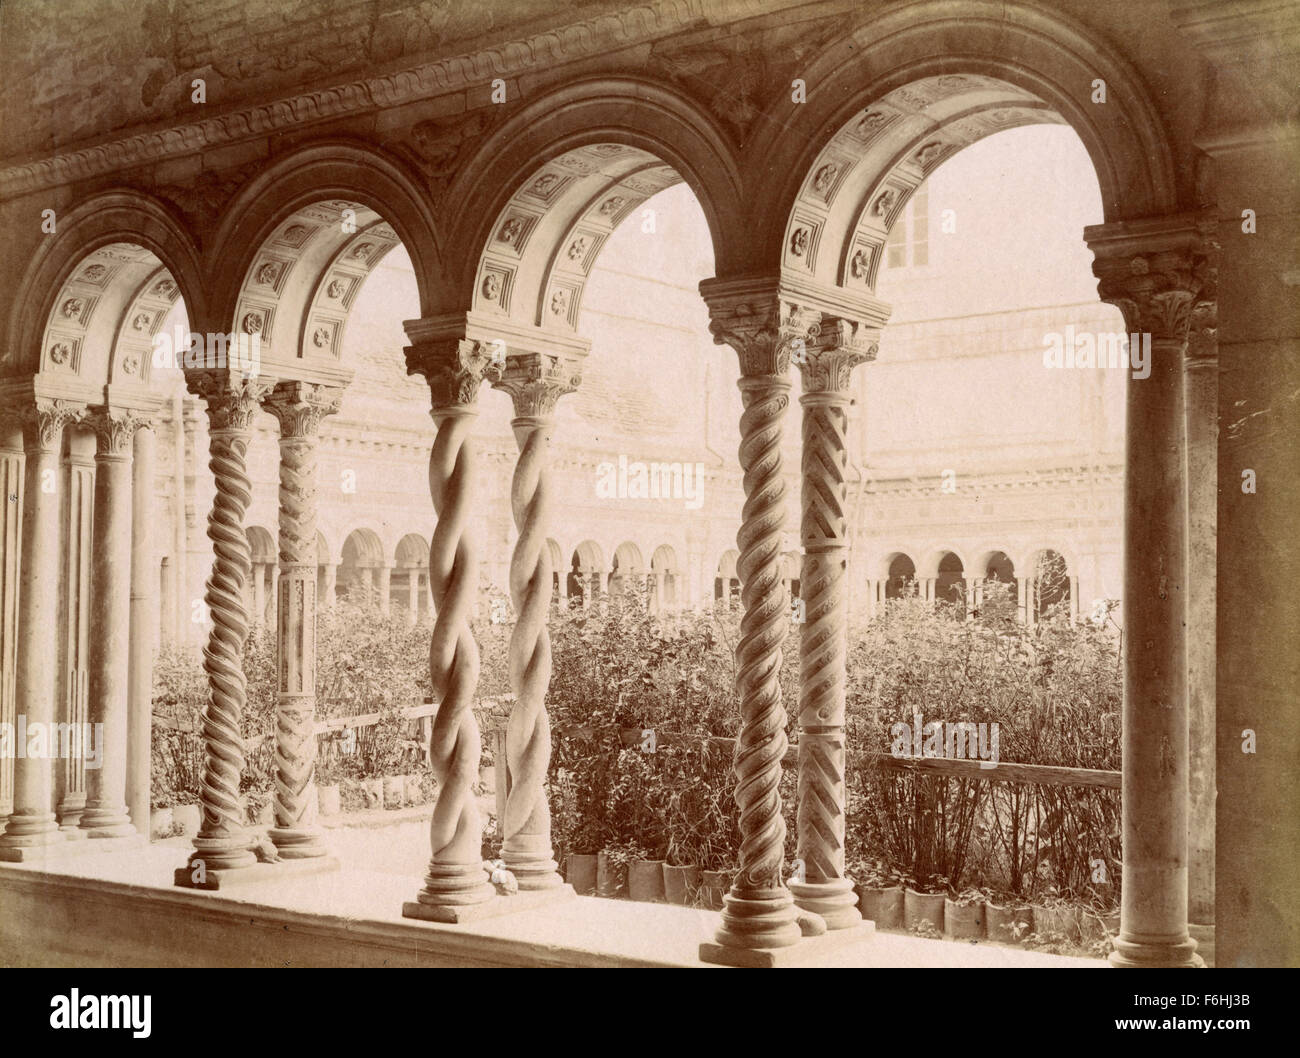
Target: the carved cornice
pixel 599 35
pixel 536 381
pixel 233 402
pixel 299 407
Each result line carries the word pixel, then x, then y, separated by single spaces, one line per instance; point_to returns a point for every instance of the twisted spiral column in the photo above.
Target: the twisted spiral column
pixel 534 383
pixel 222 842
pixel 299 407
pixel 823 647
pixel 455 876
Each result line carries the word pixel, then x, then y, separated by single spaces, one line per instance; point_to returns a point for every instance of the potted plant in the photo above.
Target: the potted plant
pixel 681 883
pixel 880 892
pixel 925 903
pixel 963 914
pixel 645 880
pixel 611 870
pixel 160 818
pixel 714 885
pixel 1008 918
pixel 580 872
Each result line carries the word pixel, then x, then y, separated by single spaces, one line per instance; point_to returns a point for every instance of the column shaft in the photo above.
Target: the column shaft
pixel 144 624
pixel 77 515
pixel 11 529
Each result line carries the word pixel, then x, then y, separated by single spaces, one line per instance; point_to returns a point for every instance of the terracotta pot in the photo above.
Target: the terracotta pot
pixel 1061 919
pixel 580 872
pixel 412 789
pixel 611 878
pixel 1008 924
pixel 160 819
pixel 373 792
pixel 964 921
pixel 645 881
pixel 189 817
pixel 681 884
pixel 714 885
pixel 923 907
pixel 394 790
pixel 884 907
pixel 327 797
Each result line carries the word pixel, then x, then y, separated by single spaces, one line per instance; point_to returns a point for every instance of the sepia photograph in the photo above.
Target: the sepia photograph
pixel 650 484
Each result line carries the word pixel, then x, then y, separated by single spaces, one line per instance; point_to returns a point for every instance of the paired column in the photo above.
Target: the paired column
pixel 299 407
pixel 1151 271
pixel 32 823
pixel 535 382
pixel 456 879
pixel 825 365
pixel 11 525
pixel 232 405
pixel 759 911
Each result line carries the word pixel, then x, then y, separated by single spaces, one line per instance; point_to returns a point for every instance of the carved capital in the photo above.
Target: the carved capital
pixel 232 401
pixel 115 430
pixel 835 347
pixel 454 368
pixel 42 423
pixel 1203 335
pixel 761 326
pixel 299 407
pixel 536 381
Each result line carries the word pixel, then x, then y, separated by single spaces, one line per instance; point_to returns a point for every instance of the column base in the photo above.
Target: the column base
pixel 497 905
pixel 758 919
pixel 223 852
pixel 211 880
pixel 298 844
pixel 833 900
pixel 534 873
pixel 1174 955
pixel 29 830
pixel 807 952
pixel 68 849
pixel 106 821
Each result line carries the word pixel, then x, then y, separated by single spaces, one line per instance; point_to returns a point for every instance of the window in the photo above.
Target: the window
pixel 909 239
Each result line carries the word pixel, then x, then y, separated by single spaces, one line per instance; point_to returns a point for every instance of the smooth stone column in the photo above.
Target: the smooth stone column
pixel 106 813
pixel 74 673
pixel 384 576
pixel 1201 397
pixel 825 365
pixel 259 593
pixel 299 407
pixel 1148 269
pixel 11 535
pixel 144 623
pixel 413 596
pixel 330 595
pixel 31 822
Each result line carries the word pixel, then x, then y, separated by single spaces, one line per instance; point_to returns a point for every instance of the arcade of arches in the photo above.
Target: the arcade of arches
pixel 261 217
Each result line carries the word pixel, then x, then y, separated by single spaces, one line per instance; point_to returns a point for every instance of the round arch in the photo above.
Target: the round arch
pixel 932 81
pixel 585 156
pixel 111 218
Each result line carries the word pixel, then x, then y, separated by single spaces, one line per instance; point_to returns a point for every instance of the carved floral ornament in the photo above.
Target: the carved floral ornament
pixel 336 289
pixel 491 286
pixel 859 264
pixel 142 321
pixel 131 364
pixel 824 177
pixel 60 353
pixel 361 251
pixel 510 231
pixel 612 205
pixel 253 323
pixel 535 382
pixel 267 273
pixel 544 184
pixel 94 273
pixel 885 202
pixel 799 242
pixel 1156 292
pixel 871 122
pixel 232 402
pixel 115 430
pixel 454 370
pixel 164 288
pixel 321 337
pixel 560 302
pixel 577 248
pixel 73 306
pixel 300 406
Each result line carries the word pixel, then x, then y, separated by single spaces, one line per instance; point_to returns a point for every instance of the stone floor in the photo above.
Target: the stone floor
pixel 121 908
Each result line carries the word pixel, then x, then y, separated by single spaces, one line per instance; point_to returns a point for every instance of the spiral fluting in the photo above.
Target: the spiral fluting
pixel 527 827
pixel 222 840
pixel 455 874
pixel 824 889
pixel 759 910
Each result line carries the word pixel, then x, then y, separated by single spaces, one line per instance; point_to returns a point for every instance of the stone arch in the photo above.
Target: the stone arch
pixel 412 552
pixel 125 240
pixel 261 544
pixel 1051 582
pixel 666 574
pixel 295 268
pixel 898 574
pixel 560 175
pixel 934 80
pixel 726 581
pixel 586 567
pixel 627 569
pixel 363 553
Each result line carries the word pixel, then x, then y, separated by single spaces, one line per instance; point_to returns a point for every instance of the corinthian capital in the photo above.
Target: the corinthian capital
pixel 115 429
pixel 43 420
pixel 536 381
pixel 454 368
pixel 232 401
pixel 763 328
pixel 1154 271
pixel 835 347
pixel 300 406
